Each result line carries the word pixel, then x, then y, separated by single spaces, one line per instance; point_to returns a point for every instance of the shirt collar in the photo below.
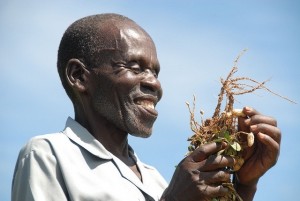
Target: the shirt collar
pixel 81 136
pixel 85 139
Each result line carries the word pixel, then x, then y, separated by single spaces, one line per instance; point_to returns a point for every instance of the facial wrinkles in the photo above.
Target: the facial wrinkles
pixel 131 119
pixel 127 118
pixel 137 126
pixel 123 111
pixel 140 46
pixel 115 101
pixel 130 114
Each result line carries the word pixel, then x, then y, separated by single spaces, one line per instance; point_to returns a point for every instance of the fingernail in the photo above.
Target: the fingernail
pixel 224 145
pixel 260 135
pixel 221 145
pixel 253 127
pixel 247 108
pixel 247 122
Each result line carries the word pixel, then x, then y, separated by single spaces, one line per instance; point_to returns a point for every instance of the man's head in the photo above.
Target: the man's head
pixel 108 64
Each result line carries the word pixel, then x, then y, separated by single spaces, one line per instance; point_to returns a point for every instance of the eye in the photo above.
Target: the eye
pixel 134 67
pixel 119 64
pixel 155 73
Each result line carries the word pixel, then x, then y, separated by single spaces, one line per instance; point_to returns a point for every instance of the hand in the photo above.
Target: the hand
pixel 264 153
pixel 200 176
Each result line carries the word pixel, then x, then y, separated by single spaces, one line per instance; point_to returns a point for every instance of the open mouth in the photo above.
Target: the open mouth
pixel 148 105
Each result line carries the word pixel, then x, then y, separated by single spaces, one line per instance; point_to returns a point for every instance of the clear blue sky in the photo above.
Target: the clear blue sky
pixel 197 42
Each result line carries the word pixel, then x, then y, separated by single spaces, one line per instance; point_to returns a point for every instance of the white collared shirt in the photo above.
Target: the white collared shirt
pixel 73 165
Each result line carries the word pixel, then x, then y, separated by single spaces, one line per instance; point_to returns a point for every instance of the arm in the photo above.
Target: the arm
pixel 37 176
pixel 198 176
pixel 260 157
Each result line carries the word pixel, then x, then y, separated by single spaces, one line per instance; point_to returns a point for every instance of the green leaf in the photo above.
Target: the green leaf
pixel 230 151
pixel 227 135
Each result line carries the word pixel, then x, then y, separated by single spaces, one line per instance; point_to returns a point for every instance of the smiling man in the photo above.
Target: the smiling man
pixel 109 69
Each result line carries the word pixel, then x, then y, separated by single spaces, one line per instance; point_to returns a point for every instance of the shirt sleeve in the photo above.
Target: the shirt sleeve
pixel 37 174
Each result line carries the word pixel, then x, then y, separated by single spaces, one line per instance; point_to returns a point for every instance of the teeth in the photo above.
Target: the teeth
pixel 146 104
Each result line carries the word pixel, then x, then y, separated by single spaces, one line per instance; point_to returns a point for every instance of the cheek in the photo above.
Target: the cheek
pixel 116 89
pixel 127 82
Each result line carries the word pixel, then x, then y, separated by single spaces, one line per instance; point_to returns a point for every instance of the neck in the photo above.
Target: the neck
pixel 112 138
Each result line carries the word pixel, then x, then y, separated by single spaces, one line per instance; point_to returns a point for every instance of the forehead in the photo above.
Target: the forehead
pixel 128 41
pixel 137 41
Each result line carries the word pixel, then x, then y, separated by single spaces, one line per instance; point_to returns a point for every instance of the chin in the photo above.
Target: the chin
pixel 142 135
pixel 138 128
pixel 141 132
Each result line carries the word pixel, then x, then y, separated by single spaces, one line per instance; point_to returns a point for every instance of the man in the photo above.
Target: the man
pixel 109 69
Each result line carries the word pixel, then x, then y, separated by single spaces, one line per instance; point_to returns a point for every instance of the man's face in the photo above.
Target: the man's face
pixel 125 89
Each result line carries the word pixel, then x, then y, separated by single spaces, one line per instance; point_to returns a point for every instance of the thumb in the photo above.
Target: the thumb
pixel 204 151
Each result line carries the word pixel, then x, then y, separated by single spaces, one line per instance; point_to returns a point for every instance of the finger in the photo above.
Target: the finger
pixel 267 140
pixel 204 151
pixel 215 177
pixel 214 162
pixel 256 119
pixel 244 122
pixel 268 130
pixel 249 111
pixel 272 146
pixel 213 191
pixel 253 117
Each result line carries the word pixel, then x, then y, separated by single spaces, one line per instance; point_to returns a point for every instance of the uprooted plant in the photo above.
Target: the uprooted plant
pixel 222 126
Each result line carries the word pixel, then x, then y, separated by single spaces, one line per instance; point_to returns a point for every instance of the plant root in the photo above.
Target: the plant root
pixel 222 126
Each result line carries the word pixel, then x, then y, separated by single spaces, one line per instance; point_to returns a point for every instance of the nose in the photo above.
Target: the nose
pixel 151 84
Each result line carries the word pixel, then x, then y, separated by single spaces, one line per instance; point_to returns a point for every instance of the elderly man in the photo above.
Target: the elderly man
pixel 109 69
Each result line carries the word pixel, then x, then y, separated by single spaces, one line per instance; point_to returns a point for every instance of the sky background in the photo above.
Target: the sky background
pixel 197 42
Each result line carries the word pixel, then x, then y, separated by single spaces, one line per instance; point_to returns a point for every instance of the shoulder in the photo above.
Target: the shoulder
pixel 42 143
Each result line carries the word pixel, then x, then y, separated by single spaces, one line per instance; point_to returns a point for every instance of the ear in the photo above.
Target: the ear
pixel 77 75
